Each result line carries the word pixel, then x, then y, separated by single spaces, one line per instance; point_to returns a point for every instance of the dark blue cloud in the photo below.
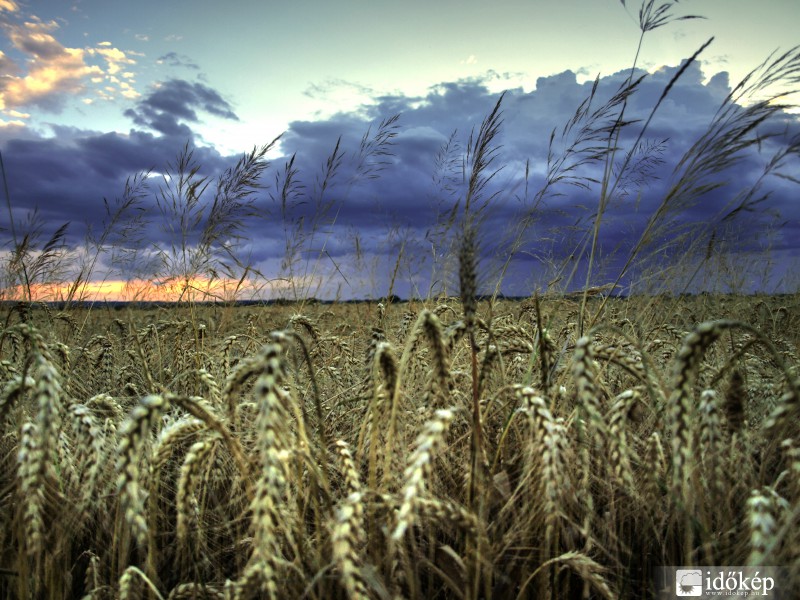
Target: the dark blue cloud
pixel 560 220
pixel 384 198
pixel 173 102
pixel 173 59
pixel 67 176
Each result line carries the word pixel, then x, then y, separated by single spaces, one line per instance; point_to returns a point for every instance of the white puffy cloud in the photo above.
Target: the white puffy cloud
pixel 51 72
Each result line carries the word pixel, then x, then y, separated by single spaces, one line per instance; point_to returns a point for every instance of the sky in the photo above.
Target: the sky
pixel 93 92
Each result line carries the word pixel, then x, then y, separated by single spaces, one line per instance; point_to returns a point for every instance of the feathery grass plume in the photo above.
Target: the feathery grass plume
pixel 475 168
pixel 203 235
pixel 121 238
pixel 652 16
pixel 428 443
pixel 736 128
pixel 347 536
pixel 271 427
pixel 31 264
pixel 132 435
pixel 482 151
pixel 597 140
pixel 303 224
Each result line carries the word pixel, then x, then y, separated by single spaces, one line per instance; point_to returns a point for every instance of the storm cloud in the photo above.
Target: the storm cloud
pixel 174 102
pixel 364 197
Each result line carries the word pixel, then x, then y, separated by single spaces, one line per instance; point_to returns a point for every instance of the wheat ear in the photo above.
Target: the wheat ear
pixel 271 423
pixel 428 442
pixel 348 529
pixel 132 435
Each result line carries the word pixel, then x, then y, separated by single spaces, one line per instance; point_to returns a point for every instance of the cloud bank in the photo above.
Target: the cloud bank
pixel 352 208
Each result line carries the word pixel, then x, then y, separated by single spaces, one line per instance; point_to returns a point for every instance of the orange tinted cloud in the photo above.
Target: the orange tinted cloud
pixel 53 71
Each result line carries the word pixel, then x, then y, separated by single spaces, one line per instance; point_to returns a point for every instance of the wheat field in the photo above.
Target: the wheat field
pixel 407 450
pixel 563 446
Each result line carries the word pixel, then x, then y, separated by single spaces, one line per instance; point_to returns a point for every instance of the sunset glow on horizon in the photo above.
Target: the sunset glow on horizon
pixel 197 289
